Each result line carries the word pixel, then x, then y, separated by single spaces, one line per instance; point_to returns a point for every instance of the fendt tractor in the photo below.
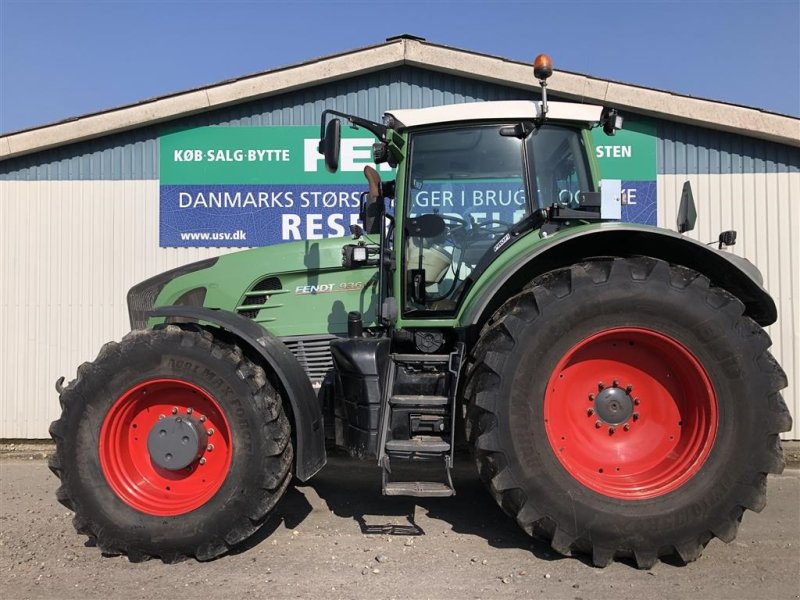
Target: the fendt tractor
pixel 611 380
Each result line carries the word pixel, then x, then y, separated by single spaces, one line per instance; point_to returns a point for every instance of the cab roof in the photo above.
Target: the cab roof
pixel 512 110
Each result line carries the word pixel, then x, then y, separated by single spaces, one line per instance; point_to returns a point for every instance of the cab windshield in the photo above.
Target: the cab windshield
pixel 473 182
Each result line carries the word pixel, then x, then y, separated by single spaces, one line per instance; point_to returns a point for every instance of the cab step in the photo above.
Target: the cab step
pixel 417 423
pixel 419 400
pixel 420 489
pixel 420 358
pixel 421 446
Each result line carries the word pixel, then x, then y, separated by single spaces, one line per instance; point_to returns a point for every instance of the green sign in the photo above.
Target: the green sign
pixel 259 155
pixel 630 154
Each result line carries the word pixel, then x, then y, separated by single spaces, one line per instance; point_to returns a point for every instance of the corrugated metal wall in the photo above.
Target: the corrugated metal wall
pixel 80 225
pixel 753 187
pixel 134 155
pixel 70 251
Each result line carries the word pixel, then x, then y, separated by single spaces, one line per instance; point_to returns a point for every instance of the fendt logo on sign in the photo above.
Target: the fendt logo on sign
pixel 353 155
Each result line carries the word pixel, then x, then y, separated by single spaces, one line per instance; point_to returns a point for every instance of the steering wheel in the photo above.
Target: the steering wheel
pixel 461 230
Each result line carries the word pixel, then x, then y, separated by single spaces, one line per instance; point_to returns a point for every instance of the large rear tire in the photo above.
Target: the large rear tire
pixel 626 408
pixel 171 444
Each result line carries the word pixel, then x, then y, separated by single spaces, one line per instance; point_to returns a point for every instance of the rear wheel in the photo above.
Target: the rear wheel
pixel 171 444
pixel 626 408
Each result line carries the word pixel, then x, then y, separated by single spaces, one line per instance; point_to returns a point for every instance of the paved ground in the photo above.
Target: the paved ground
pixel 339 538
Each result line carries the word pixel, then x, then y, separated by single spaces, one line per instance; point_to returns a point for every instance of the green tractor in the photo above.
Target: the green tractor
pixel 612 381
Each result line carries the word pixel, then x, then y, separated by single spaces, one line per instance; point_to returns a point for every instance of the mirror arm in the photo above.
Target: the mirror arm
pixel 377 129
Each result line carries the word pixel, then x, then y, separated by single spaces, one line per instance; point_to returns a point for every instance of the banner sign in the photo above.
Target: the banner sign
pixel 630 155
pixel 256 186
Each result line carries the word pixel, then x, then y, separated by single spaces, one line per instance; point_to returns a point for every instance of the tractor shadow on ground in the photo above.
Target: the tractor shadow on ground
pixel 292 510
pixel 352 489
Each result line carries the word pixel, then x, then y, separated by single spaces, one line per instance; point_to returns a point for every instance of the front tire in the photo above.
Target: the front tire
pixel 171 444
pixel 595 466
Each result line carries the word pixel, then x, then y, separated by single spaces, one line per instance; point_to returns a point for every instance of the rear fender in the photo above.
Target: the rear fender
pixel 733 273
pixel 309 432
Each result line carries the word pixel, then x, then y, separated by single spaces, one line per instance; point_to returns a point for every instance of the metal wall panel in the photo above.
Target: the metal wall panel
pixel 69 251
pixel 763 208
pixel 686 149
pixel 80 225
pixel 751 186
pixel 134 155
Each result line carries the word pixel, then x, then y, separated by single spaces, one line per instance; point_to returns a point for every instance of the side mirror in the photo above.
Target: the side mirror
pixel 687 213
pixel 329 145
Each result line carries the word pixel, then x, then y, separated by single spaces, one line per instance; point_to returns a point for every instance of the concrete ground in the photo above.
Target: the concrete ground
pixel 338 537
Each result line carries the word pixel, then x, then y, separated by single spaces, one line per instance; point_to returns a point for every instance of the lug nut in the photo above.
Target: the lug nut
pixel 615 383
pixel 626 427
pixel 629 389
pixel 189 410
pixel 600 386
pixel 636 401
pixel 210 432
pixel 178 419
pixel 635 416
pixel 591 397
pixel 202 461
pixel 174 410
pixel 611 430
pixel 210 447
pixel 160 417
pixel 598 424
pixel 590 412
pixel 202 418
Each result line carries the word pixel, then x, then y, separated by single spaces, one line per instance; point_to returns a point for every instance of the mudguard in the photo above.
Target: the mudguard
pixel 309 432
pixel 735 274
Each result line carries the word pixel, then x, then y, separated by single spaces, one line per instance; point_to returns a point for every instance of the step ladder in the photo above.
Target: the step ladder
pixel 418 420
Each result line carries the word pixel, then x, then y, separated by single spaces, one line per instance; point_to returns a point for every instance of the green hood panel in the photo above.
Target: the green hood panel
pixel 312 295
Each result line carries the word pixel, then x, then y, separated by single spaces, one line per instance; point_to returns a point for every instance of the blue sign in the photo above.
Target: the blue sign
pixel 255 215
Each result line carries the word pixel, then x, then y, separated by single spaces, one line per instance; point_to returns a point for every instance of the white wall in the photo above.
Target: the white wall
pixel 765 211
pixel 69 251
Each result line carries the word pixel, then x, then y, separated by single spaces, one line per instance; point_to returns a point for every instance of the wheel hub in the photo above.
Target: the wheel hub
pixel 175 442
pixel 613 405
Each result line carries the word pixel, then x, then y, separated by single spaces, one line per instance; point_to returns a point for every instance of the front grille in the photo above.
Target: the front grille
pixel 258 296
pixel 313 352
pixel 268 284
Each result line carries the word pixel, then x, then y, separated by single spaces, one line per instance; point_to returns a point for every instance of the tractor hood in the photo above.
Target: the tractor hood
pixel 297 288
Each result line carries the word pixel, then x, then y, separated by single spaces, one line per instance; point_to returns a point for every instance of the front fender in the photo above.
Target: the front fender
pixel 308 427
pixel 524 261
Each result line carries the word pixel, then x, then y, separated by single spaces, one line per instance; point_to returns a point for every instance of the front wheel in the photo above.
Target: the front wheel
pixel 171 444
pixel 626 408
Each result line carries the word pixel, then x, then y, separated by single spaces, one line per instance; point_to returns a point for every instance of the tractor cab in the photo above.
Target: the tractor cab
pixel 471 180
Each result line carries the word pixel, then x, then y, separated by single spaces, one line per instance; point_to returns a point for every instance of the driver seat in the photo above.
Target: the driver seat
pixel 435 261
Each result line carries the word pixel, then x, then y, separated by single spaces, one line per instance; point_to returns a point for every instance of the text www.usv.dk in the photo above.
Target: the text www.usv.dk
pixel 217 236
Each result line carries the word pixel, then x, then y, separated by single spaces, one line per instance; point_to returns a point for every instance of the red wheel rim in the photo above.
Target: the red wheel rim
pixel 126 461
pixel 635 442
